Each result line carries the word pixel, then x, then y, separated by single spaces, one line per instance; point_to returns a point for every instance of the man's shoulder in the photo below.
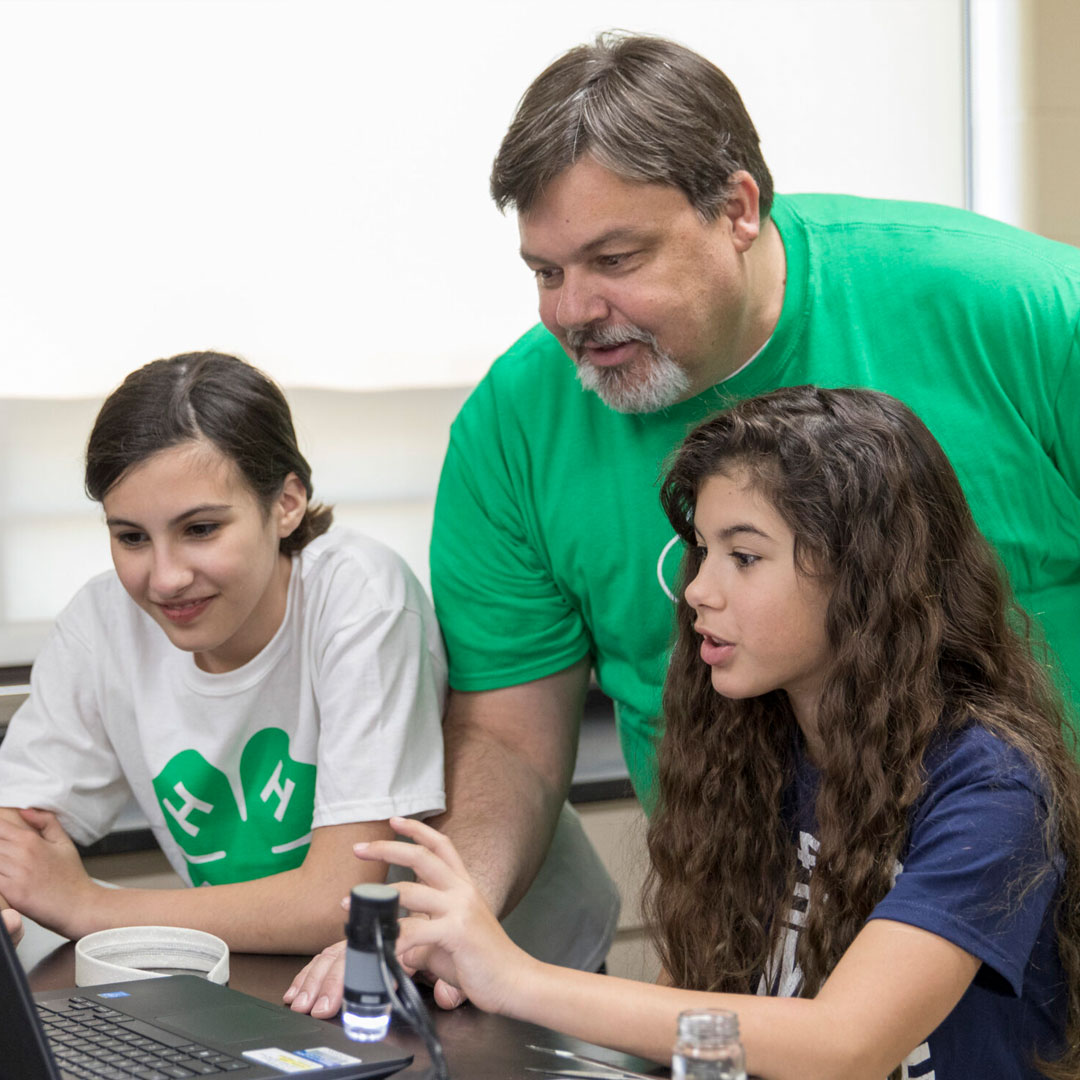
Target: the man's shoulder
pixel 535 361
pixel 531 385
pixel 846 217
pixel 822 210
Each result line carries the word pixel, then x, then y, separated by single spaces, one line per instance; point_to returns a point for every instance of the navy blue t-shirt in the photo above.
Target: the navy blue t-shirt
pixel 976 834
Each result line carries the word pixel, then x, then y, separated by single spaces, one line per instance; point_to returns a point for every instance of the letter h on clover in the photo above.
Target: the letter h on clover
pixel 224 840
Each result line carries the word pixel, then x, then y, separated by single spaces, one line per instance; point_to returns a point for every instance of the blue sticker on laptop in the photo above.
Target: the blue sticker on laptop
pixel 327 1055
pixel 114 993
pixel 282 1060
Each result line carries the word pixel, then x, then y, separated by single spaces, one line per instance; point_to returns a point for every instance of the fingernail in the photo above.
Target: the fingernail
pixel 360 847
pixel 289 994
pixel 303 999
pixel 323 1004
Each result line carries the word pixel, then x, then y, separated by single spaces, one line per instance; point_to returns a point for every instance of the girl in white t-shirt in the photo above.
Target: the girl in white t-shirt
pixel 269 689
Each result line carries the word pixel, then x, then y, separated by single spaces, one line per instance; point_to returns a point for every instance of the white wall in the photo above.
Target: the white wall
pixel 1026 114
pixel 375 456
pixel 304 182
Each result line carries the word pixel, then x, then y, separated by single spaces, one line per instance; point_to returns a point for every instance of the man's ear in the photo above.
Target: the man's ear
pixel 290 505
pixel 742 210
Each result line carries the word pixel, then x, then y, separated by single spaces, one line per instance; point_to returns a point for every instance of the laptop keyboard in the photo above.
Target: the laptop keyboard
pixel 90 1041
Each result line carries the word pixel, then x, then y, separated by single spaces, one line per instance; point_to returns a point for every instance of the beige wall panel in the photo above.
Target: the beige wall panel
pixel 617 831
pixel 632 956
pixel 1055 204
pixel 1054 35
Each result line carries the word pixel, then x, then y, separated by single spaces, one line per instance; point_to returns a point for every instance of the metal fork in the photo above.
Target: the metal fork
pixel 602 1070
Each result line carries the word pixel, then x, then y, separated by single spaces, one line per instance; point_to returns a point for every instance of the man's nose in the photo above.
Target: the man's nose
pixel 580 303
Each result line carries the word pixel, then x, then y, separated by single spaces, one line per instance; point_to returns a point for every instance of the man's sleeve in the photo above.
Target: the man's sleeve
pixel 1065 449
pixel 502 613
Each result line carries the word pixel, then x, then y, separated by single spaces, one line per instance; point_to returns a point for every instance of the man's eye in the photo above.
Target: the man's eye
pixel 548 275
pixel 620 260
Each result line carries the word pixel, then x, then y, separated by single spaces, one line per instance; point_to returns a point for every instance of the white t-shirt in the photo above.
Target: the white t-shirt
pixel 337 720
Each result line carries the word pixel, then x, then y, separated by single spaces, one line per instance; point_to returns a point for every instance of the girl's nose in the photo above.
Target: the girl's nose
pixel 702 591
pixel 169 574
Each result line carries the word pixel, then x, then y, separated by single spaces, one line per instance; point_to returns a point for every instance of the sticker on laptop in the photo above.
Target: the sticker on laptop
pixel 328 1056
pixel 113 994
pixel 282 1060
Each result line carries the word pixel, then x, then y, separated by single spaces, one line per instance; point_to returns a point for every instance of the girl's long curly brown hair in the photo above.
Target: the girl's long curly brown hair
pixel 925 639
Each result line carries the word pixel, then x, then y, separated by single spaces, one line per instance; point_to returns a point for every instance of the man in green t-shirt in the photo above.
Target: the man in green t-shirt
pixel 670 281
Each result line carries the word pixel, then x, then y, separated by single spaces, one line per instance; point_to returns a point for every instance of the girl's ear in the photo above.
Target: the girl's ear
pixel 290 506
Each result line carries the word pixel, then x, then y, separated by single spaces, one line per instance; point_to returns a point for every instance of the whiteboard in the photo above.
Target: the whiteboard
pixel 304 182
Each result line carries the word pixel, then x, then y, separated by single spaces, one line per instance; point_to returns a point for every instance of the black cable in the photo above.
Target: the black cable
pixel 412 1007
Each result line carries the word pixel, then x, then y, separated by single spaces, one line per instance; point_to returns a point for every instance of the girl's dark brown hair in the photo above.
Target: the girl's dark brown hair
pixel 209 396
pixel 924 639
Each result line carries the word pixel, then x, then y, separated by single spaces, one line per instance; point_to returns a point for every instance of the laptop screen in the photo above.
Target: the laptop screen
pixel 24 1053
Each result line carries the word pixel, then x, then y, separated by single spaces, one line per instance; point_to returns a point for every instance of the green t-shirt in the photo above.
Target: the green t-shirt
pixel 549 539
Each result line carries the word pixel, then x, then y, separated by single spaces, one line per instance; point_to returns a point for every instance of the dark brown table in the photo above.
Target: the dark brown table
pixel 478 1046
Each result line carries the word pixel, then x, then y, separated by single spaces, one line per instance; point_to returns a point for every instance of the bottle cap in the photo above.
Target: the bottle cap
pixel 708 1027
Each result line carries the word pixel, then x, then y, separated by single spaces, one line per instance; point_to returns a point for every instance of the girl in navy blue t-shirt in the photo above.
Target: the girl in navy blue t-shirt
pixel 867 841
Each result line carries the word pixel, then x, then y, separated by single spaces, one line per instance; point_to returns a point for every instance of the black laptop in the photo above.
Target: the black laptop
pixel 169 1028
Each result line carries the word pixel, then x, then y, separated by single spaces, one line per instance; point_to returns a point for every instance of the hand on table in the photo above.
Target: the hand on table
pixel 319 986
pixel 450 931
pixel 41 873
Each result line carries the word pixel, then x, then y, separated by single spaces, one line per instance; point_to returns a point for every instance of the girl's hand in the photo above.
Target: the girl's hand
pixel 318 987
pixel 459 939
pixel 452 934
pixel 42 875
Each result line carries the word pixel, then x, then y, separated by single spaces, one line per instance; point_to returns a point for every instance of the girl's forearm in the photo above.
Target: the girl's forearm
pixel 281 913
pixel 895 984
pixel 784 1038
pixel 295 911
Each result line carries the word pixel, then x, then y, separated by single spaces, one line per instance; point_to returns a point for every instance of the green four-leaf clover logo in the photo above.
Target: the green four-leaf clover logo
pixel 268 831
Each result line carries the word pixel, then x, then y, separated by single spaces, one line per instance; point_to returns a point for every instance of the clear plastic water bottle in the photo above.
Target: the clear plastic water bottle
pixel 707 1047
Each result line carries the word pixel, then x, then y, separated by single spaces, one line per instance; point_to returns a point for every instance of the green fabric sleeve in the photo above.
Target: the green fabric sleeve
pixel 504 618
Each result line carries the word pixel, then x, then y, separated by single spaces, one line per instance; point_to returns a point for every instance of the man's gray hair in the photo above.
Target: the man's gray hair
pixel 646 108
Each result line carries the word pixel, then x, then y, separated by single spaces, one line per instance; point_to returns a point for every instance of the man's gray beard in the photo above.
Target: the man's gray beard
pixel 646 385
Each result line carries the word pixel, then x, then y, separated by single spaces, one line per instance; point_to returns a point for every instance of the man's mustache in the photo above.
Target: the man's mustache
pixel 608 334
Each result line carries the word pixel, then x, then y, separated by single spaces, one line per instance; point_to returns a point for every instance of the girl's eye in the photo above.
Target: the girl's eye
pixel 744 559
pixel 130 539
pixel 202 529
